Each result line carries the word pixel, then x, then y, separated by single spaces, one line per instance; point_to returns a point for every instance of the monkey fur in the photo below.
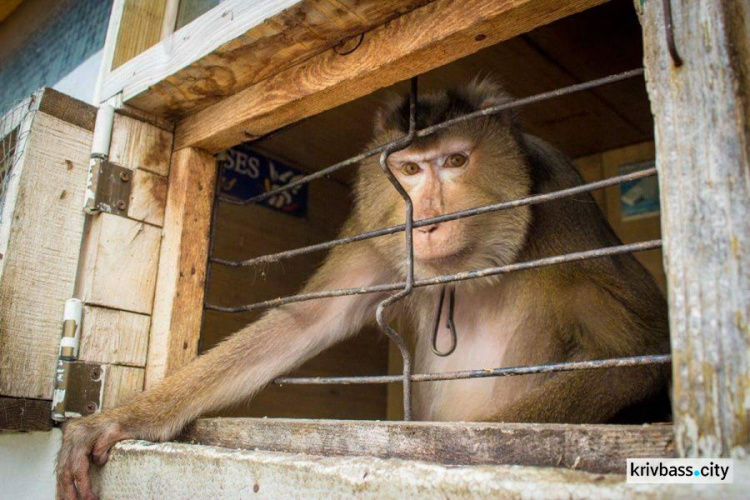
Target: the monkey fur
pixel 599 308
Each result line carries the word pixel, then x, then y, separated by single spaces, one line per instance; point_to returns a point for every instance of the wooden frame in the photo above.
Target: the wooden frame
pixel 708 279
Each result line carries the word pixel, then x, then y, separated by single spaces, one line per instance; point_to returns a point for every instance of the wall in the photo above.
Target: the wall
pixel 27 463
pixel 42 42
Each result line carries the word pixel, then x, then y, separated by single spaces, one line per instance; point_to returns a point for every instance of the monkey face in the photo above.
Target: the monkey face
pixel 471 164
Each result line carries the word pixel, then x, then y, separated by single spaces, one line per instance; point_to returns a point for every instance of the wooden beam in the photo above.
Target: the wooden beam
pixel 178 307
pixel 140 28
pixel 595 448
pixel 423 39
pixel 239 43
pixel 25 415
pixel 40 233
pixel 703 156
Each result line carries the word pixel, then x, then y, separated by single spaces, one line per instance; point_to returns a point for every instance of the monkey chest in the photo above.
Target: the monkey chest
pixel 489 335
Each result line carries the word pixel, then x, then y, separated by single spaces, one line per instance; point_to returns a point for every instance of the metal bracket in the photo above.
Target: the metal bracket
pixel 79 389
pixel 113 187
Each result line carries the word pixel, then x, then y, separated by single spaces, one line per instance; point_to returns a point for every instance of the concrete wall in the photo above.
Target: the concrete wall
pixel 27 464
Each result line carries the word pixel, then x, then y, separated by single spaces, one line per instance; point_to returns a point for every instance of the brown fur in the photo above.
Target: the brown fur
pixel 595 309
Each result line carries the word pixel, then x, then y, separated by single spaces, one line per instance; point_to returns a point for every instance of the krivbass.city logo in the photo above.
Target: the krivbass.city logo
pixel 680 470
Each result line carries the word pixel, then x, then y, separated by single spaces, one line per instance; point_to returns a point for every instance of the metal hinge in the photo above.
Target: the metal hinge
pixel 111 185
pixel 79 386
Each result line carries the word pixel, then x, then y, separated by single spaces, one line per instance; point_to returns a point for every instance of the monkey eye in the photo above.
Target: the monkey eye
pixel 410 168
pixel 456 160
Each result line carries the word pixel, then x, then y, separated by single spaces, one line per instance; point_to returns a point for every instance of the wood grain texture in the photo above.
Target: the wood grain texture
pixel 25 415
pixel 148 197
pixel 421 40
pixel 136 144
pixel 140 28
pixel 114 337
pixel 119 263
pixel 121 384
pixel 703 155
pixel 595 448
pixel 42 227
pixel 239 43
pixel 177 313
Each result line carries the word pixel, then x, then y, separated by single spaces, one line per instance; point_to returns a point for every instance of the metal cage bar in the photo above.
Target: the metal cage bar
pixel 404 288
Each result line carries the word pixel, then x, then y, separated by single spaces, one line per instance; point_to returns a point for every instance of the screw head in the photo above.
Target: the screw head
pixel 124 176
pixel 90 408
pixel 121 204
pixel 96 373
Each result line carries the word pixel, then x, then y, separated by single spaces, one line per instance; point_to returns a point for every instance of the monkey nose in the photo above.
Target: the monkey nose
pixel 427 229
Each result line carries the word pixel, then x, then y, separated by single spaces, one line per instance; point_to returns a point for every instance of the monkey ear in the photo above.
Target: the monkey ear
pixel 386 116
pixel 486 92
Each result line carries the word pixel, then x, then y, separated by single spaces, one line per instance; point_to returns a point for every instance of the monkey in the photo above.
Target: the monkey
pixel 593 309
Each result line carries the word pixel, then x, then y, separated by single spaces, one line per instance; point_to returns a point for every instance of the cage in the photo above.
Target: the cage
pixel 272 105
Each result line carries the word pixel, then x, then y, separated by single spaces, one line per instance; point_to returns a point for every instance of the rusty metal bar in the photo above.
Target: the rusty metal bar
pixel 449 278
pixel 440 126
pixel 408 250
pixel 483 373
pixel 530 200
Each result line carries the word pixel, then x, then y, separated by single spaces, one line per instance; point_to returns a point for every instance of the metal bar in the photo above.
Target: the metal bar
pixel 434 128
pixel 448 278
pixel 483 373
pixel 530 200
pixel 408 250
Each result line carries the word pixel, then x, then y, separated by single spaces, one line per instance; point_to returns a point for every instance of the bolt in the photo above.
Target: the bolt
pixel 124 176
pixel 90 408
pixel 121 204
pixel 96 373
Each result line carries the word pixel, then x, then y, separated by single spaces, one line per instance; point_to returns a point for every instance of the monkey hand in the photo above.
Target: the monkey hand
pixel 85 440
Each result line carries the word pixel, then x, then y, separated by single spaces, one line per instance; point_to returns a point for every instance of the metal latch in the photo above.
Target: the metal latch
pixel 79 386
pixel 79 389
pixel 113 185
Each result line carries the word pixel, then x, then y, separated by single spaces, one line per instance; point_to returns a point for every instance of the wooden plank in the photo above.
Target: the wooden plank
pixel 148 197
pixel 136 144
pixel 176 320
pixel 25 415
pixel 169 471
pixel 239 43
pixel 595 448
pixel 121 384
pixel 140 28
pixel 118 267
pixel 114 337
pixel 701 111
pixel 423 39
pixel 67 109
pixel 41 228
pixel 7 7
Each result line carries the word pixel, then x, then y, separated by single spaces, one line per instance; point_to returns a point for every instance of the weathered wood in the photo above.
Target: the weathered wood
pixel 24 415
pixel 423 39
pixel 119 262
pixel 176 319
pixel 168 471
pixel 239 43
pixel 121 383
pixel 140 28
pixel 703 155
pixel 139 145
pixel 114 337
pixel 148 197
pixel 40 231
pixel 595 448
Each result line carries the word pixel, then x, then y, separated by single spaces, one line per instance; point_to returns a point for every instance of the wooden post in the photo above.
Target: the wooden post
pixel 703 157
pixel 178 306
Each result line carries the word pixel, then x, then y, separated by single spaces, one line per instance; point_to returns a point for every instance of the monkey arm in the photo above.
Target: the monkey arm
pixel 235 369
pixel 590 396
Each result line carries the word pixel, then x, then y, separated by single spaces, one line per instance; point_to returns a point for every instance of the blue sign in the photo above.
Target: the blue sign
pixel 246 173
pixel 639 198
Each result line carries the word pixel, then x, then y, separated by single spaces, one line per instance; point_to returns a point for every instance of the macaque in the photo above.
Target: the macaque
pixel 594 309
